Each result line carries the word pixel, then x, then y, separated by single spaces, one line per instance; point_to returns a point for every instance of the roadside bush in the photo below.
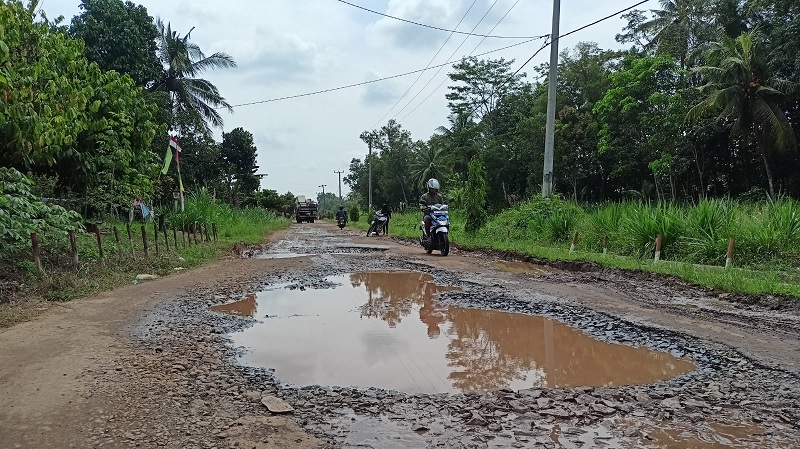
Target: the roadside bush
pixel 22 213
pixel 355 215
pixel 474 197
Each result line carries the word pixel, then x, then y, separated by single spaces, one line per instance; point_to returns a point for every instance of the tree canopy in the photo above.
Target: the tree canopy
pixel 704 102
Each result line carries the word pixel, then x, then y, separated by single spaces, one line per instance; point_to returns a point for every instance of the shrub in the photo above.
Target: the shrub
pixel 354 214
pixel 22 213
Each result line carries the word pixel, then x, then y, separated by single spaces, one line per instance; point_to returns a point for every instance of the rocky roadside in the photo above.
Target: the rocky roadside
pixel 185 358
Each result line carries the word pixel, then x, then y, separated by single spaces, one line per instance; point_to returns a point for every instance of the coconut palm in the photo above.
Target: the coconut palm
pixel 459 141
pixel 428 163
pixel 741 90
pixel 183 62
pixel 677 28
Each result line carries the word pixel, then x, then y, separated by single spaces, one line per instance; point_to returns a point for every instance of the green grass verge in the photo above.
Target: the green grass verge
pixel 772 279
pixel 121 263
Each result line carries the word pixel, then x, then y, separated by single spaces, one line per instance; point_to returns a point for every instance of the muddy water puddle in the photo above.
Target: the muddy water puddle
pixel 246 307
pixel 385 329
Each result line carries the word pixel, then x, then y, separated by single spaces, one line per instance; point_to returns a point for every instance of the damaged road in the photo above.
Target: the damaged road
pixel 198 360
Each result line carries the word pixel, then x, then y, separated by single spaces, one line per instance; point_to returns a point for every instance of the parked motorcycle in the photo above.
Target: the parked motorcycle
pixel 341 222
pixel 439 239
pixel 376 226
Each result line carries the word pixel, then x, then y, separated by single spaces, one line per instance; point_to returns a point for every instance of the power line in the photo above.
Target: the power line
pixel 438 28
pixel 579 29
pixel 427 66
pixel 307 94
pixel 545 45
pixel 289 97
pixel 454 52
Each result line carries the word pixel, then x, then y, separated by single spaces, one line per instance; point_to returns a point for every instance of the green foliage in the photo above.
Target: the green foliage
pixel 354 213
pixel 22 213
pixel 475 197
pixel 64 117
pixel 239 157
pixel 118 36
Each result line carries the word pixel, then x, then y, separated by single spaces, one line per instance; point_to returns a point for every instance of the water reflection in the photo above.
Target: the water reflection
pixel 246 307
pixel 400 338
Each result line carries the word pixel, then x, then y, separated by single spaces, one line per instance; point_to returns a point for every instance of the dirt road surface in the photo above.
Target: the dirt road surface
pixel 149 365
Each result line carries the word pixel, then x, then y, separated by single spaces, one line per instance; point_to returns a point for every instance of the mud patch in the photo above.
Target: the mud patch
pixel 385 329
pixel 247 307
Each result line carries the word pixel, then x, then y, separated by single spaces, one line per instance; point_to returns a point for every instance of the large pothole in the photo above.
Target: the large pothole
pixel 385 330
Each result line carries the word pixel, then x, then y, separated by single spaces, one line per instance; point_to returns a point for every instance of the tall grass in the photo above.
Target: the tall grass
pixel 694 238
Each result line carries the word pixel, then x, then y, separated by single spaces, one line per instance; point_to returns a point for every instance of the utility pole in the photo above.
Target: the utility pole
pixel 550 127
pixel 369 144
pixel 322 202
pixel 339 172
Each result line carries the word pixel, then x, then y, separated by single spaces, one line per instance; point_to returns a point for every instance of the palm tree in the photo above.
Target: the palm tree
pixel 182 62
pixel 459 141
pixel 428 163
pixel 677 28
pixel 741 90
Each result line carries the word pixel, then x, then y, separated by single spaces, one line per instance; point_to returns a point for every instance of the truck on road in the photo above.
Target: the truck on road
pixel 305 209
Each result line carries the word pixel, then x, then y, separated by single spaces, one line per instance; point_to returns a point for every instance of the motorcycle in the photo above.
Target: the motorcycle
pixel 376 226
pixel 439 239
pixel 341 222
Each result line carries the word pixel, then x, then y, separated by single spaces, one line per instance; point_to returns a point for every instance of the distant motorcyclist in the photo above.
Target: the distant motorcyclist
pixel 428 199
pixel 387 211
pixel 341 213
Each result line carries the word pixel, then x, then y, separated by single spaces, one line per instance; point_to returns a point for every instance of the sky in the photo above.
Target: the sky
pixel 291 47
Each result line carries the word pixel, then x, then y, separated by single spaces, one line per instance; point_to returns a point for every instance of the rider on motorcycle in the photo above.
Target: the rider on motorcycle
pixel 341 214
pixel 428 199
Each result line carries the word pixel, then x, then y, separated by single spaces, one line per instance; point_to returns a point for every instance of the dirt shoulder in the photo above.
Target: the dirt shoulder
pixel 71 378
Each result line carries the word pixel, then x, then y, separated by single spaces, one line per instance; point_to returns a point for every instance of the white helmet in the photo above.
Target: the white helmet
pixel 433 184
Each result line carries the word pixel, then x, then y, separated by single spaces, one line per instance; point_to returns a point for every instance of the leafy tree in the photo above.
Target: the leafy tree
pixel 481 85
pixel 741 89
pixel 239 156
pixel 182 61
pixel 65 117
pixel 119 36
pixel 630 116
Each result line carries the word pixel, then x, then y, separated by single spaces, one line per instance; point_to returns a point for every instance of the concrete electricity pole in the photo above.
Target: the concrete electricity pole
pixel 370 174
pixel 550 127
pixel 322 199
pixel 339 172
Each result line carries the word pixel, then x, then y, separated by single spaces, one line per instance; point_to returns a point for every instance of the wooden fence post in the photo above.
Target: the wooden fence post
pixel 119 245
pixel 175 238
pixel 214 231
pixel 37 253
pixel 605 244
pixel 729 256
pixel 144 240
pixel 205 228
pixel 155 233
pixel 73 244
pixel 183 235
pixel 574 243
pixel 658 248
pixel 130 238
pixel 166 238
pixel 194 232
pixel 99 242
